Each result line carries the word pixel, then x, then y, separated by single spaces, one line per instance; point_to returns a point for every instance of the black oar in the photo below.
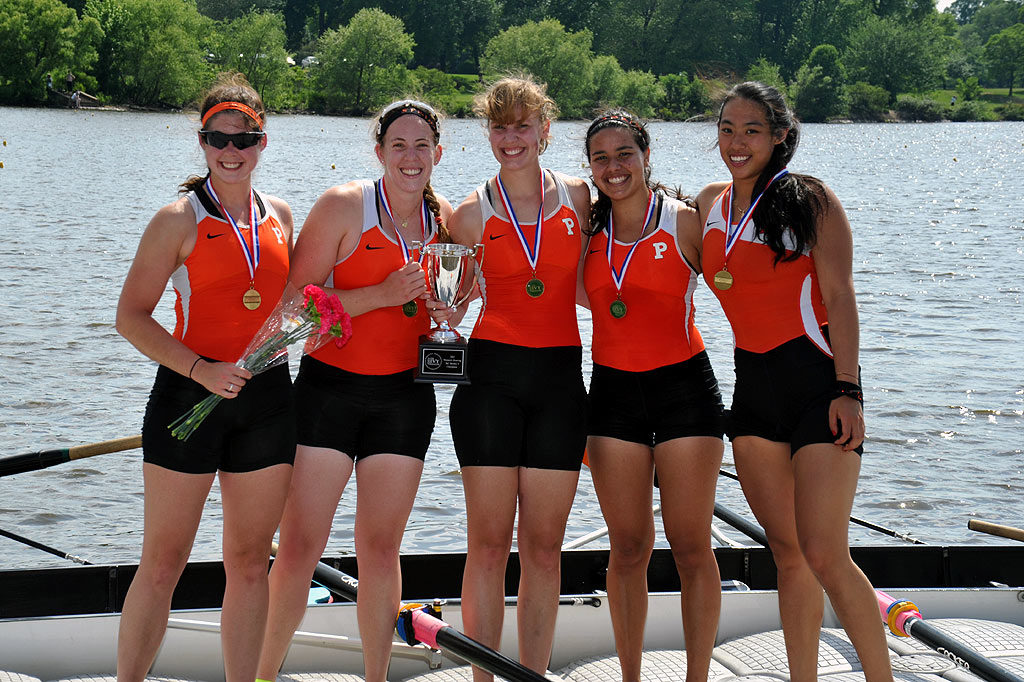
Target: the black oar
pixel 45 548
pixel 435 632
pixel 996 529
pixel 903 618
pixel 751 530
pixel 32 461
pixel 859 522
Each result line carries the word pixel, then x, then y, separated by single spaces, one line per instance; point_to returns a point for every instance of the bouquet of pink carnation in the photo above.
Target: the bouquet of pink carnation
pixel 311 316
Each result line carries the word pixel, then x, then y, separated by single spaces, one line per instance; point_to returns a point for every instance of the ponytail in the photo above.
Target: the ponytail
pixel 193 183
pixel 435 207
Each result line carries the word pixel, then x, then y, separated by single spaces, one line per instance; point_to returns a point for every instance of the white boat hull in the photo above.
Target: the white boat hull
pixel 63 647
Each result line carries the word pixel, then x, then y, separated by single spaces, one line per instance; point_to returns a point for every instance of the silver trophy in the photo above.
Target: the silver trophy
pixel 451 274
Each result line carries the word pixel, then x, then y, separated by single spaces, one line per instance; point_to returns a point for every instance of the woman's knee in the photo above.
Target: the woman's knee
pixel 829 561
pixel 631 550
pixel 162 569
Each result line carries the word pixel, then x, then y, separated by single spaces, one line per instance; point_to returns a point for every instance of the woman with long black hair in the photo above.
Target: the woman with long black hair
pixel 778 254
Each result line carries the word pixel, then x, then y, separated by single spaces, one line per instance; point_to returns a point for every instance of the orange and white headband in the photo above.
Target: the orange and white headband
pixel 236 106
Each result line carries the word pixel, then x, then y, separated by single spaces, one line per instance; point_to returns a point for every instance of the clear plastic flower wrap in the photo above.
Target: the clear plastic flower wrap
pixel 310 315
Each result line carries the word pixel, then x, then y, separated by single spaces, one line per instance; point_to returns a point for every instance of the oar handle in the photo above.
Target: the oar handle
pixel 996 529
pixel 33 461
pixel 116 445
pixel 438 634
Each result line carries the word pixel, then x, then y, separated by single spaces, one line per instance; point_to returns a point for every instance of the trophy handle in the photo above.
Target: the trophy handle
pixel 418 246
pixel 477 256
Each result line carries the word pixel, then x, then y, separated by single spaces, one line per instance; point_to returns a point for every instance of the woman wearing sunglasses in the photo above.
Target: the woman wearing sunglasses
pixel 225 249
pixel 358 408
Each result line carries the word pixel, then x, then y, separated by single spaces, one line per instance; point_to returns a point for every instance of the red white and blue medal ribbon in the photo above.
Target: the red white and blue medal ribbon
pixel 723 279
pixel 409 308
pixel 618 308
pixel 251 299
pixel 407 254
pixel 534 287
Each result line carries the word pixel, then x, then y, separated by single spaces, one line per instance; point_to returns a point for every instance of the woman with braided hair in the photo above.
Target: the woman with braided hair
pixel 778 254
pixel 358 407
pixel 654 400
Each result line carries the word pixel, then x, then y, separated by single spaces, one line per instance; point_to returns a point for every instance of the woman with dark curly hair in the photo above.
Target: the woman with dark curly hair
pixel 654 399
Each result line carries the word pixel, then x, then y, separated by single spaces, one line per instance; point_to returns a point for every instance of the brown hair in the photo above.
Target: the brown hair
pixel 391 113
pixel 230 86
pixel 499 102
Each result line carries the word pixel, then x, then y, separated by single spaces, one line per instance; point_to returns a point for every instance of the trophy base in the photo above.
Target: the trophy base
pixel 442 362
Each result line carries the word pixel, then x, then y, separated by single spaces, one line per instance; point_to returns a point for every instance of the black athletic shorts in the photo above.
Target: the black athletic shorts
pixel 252 431
pixel 523 407
pixel 784 395
pixel 363 414
pixel 674 401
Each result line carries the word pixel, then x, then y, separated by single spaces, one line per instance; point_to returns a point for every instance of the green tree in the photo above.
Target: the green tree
pixel 1004 53
pixel 641 92
pixel 438 88
pixel 819 90
pixel 151 51
pixel 897 56
pixel 448 33
pixel 867 102
pixel 683 98
pixel 254 45
pixel 233 9
pixel 964 10
pixel 552 55
pixel 768 73
pixel 362 65
pixel 968 88
pixel 607 84
pixel 41 37
pixel 822 22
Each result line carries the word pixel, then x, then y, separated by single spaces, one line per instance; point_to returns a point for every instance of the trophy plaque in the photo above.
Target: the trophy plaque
pixel 451 275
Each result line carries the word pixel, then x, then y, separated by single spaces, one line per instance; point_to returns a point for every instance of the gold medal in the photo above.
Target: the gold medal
pixel 618 309
pixel 534 288
pixel 723 280
pixel 252 299
pixel 410 309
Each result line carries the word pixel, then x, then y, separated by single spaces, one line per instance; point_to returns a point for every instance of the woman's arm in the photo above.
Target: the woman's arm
pixel 579 192
pixel 168 240
pixel 833 261
pixel 332 231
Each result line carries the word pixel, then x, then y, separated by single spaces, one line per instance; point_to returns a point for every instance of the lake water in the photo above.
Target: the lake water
pixel 938 224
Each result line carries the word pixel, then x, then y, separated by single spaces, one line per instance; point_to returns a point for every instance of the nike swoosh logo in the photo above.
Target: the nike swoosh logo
pixel 492 237
pixel 373 248
pixel 594 251
pixel 214 236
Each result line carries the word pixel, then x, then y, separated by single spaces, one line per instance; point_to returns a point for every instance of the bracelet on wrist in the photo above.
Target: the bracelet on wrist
pixel 850 390
pixel 192 368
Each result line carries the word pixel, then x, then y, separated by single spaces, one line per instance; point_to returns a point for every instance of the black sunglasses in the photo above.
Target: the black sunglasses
pixel 219 140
